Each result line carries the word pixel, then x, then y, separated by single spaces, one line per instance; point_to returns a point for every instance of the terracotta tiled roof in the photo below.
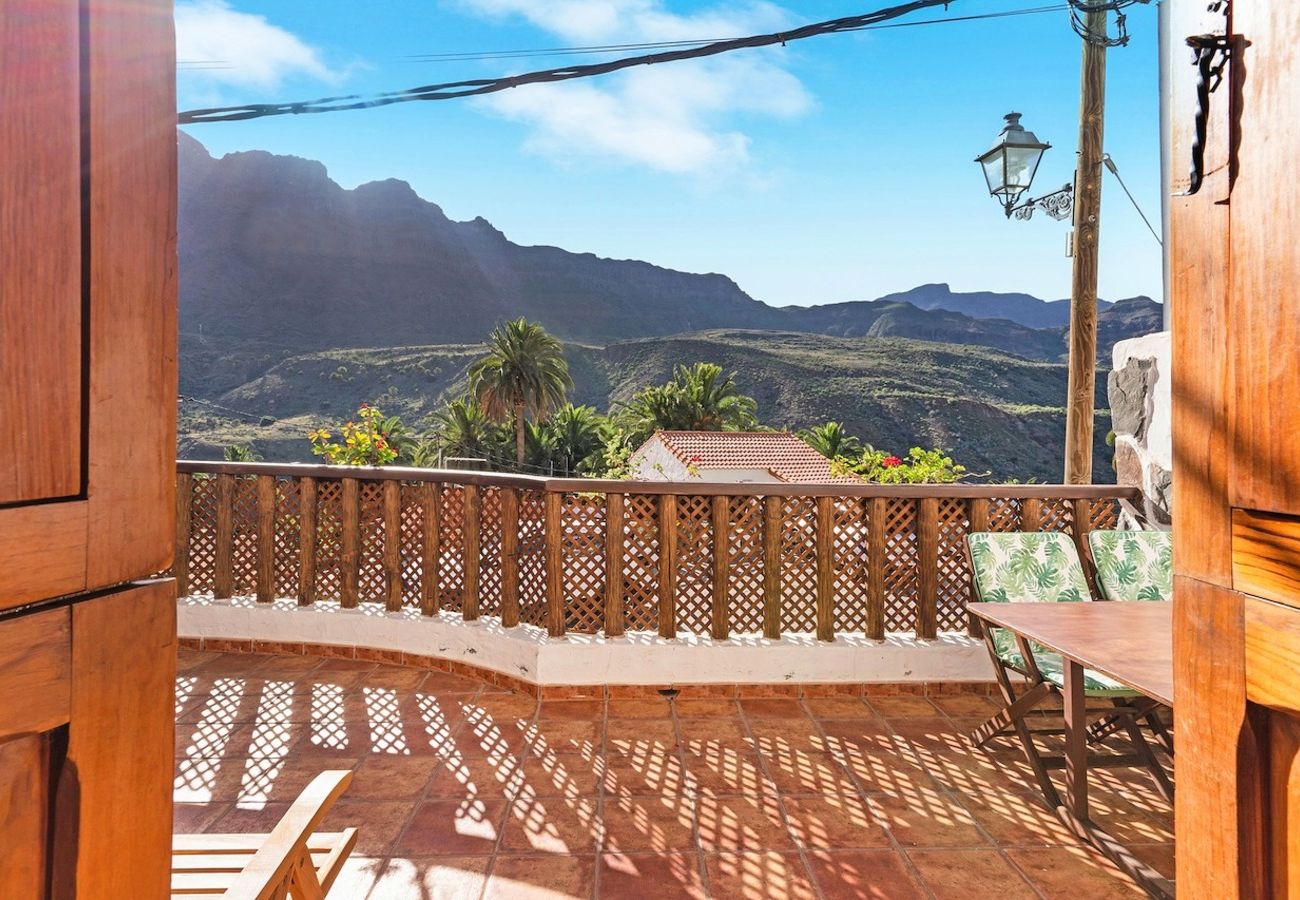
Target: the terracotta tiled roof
pixel 781 453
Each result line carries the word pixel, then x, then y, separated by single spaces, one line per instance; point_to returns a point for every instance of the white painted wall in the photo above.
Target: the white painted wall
pixel 1160 428
pixel 643 658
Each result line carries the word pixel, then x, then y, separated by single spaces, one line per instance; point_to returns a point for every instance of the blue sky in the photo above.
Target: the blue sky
pixel 836 168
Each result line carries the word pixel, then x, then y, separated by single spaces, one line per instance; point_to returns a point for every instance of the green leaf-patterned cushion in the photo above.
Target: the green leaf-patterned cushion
pixel 1133 565
pixel 1033 567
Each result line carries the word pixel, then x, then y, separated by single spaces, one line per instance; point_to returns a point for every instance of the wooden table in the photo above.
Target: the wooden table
pixel 1131 643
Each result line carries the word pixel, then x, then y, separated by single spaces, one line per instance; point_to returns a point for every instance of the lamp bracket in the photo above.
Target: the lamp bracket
pixel 1058 204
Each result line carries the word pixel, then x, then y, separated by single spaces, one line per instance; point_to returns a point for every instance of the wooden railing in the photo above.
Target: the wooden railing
pixel 588 556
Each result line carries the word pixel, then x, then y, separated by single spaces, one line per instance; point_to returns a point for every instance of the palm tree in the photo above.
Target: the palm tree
pixel 241 453
pixel 524 374
pixel 832 441
pixel 577 433
pixel 464 430
pixel 698 398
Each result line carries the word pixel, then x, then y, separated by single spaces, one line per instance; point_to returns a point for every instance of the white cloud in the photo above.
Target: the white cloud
pixel 251 52
pixel 676 117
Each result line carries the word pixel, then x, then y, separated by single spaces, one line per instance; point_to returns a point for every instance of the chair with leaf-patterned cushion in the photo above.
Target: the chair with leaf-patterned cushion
pixel 1133 565
pixel 1043 567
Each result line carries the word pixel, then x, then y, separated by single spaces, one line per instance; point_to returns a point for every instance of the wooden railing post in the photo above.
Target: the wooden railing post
pixel 306 541
pixel 1031 514
pixel 471 541
pixel 772 567
pixel 721 619
pixel 184 521
pixel 927 547
pixel 877 559
pixel 668 565
pixel 393 545
pixel 223 582
pixel 825 526
pixel 265 538
pixel 614 612
pixel 350 543
pixel 979 521
pixel 1082 525
pixel 509 557
pixel 554 564
pixel 431 505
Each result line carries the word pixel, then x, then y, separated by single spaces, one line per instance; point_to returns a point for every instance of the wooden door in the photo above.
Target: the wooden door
pixel 87 409
pixel 1235 295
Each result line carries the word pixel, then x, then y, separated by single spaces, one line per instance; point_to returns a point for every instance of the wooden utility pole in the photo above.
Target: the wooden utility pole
pixel 1083 285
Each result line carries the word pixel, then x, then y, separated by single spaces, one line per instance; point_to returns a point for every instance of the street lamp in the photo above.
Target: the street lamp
pixel 1009 167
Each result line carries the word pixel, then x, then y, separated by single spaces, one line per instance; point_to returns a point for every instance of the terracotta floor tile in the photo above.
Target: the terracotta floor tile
pixel 378 822
pixel 903 706
pixel 561 775
pixel 1158 856
pixel 552 825
pixel 250 820
pixel 383 777
pixel 657 708
pixel 492 737
pixel 1073 872
pixel 753 822
pixel 433 878
pixel 360 877
pixel 644 771
pixel 807 772
pixel 621 734
pixel 561 736
pixel 468 827
pixel 926 818
pixel 773 708
pixel 763 875
pixel 838 708
pixel 477 776
pixel 1016 819
pixel 661 876
pixel 447 683
pixel 191 818
pixel 725 770
pixel 517 707
pixel 581 710
pixel 395 677
pixel 962 705
pixel 842 822
pixel 771 735
pixel 864 875
pixel 640 823
pixel 962 874
pixel 694 707
pixel 697 733
pixel 541 877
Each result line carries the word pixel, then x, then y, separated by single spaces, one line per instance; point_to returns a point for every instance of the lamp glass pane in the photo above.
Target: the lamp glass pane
pixel 992 166
pixel 1022 162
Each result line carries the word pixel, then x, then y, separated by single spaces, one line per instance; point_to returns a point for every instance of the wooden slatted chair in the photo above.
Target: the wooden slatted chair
pixel 292 861
pixel 1044 567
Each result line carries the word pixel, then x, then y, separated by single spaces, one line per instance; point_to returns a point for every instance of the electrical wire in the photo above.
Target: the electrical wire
pixel 479 86
pixel 480 55
pixel 1079 9
pixel 1110 165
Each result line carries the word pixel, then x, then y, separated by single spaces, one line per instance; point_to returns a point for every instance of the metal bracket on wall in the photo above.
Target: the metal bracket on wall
pixel 1210 56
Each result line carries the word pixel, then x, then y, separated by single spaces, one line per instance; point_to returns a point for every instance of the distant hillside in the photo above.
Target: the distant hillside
pixel 998 413
pixel 274 252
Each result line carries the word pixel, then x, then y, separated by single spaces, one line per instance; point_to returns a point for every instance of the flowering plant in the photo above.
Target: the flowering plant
pixel 918 467
pixel 365 441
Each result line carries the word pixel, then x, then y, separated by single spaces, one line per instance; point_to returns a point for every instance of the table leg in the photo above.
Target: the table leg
pixel 1076 741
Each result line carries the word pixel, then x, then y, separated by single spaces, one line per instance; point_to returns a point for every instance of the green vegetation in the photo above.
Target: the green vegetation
pixel 523 374
pixel 240 453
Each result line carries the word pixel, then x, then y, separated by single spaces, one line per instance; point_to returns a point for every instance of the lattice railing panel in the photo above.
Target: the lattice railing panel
pixel 411 543
pixel 372 586
pixel 203 533
pixel 745 564
pixel 1104 514
pixel 1057 515
pixel 244 555
pixel 329 540
pixel 694 564
pixel 451 548
pixel 532 558
pixel 288 525
pixel 1004 515
pixel 641 562
pixel 489 568
pixel 850 563
pixel 953 580
pixel 798 564
pixel 584 562
pixel 901 559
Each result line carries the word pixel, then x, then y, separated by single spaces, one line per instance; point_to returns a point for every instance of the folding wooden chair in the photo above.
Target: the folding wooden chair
pixel 291 861
pixel 1044 567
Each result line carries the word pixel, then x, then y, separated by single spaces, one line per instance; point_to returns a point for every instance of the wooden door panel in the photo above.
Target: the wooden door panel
pixel 40 254
pixel 24 815
pixel 1284 803
pixel 1265 269
pixel 36 668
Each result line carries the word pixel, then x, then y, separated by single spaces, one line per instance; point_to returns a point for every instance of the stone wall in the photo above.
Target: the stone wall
pixel 1140 408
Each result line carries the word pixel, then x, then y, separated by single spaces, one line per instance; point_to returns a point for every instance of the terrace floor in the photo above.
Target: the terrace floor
pixel 468 791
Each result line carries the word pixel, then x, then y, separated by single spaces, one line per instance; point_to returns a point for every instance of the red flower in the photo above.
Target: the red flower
pixel 696 459
pixel 890 461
